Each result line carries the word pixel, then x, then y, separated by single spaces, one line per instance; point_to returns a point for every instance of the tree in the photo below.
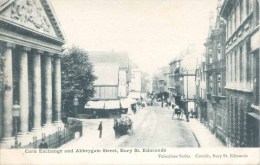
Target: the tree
pixel 77 77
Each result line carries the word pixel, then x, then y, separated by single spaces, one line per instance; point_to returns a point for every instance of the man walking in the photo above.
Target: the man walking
pixel 100 129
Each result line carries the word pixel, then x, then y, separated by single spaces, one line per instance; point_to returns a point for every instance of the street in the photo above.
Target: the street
pixel 153 127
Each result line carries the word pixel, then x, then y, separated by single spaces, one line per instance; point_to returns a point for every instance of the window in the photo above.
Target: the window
pixel 210 55
pixel 241 11
pixel 219 51
pixel 257 13
pixel 231 66
pixel 210 84
pixel 247 7
pixel 227 64
pixel 235 65
pixel 231 24
pixel 248 60
pixel 256 78
pixel 241 63
pixel 227 30
pixel 219 84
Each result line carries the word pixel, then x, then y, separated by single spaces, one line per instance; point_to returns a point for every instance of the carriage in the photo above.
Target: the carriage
pixel 123 126
pixel 177 111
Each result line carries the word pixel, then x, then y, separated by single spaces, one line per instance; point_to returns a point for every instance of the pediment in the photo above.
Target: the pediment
pixel 34 15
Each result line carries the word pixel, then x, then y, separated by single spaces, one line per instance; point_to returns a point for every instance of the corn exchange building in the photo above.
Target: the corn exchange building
pixel 30 48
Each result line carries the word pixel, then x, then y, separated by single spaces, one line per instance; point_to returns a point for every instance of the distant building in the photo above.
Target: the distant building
pixel 135 84
pixel 175 86
pixel 242 70
pixel 161 80
pixel 113 74
pixel 201 97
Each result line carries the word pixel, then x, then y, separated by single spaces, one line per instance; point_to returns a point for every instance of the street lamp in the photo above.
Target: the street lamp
pixel 75 103
pixel 16 115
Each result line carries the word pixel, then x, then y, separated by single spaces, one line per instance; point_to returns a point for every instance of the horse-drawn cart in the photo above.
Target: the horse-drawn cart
pixel 123 126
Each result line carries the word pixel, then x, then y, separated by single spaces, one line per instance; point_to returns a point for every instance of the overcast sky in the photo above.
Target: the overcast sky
pixel 153 32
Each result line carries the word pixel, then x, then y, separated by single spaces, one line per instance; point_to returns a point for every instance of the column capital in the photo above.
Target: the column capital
pixel 9 45
pixel 37 51
pixel 25 49
pixel 58 56
pixel 49 54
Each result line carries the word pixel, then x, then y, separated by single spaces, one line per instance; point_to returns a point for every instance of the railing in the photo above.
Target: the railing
pixel 60 137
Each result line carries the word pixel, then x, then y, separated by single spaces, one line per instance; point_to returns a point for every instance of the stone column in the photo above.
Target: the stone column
pixel 37 95
pixel 8 92
pixel 48 89
pixel 57 89
pixel 23 94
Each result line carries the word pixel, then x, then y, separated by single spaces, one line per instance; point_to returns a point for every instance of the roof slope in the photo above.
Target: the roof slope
pixel 107 74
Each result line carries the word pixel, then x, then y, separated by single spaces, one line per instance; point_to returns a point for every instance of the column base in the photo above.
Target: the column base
pixel 7 143
pixel 37 131
pixel 49 129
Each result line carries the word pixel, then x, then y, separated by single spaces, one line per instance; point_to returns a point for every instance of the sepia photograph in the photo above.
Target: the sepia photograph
pixel 129 82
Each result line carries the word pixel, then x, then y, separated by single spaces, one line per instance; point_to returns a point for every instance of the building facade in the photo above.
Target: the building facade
pixel 216 78
pixel 174 82
pixel 201 99
pixel 31 46
pixel 242 71
pixel 113 74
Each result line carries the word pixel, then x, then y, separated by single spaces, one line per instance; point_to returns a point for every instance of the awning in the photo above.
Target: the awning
pixel 95 105
pixel 112 104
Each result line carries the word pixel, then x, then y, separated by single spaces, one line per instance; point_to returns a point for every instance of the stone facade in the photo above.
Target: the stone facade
pixel 31 46
pixel 216 78
pixel 242 70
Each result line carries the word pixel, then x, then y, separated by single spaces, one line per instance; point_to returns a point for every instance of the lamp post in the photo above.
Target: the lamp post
pixel 75 103
pixel 16 115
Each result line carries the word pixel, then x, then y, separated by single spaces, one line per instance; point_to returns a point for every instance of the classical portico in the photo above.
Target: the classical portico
pixel 30 46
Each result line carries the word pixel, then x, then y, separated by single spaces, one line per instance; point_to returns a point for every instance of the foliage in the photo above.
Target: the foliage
pixel 77 77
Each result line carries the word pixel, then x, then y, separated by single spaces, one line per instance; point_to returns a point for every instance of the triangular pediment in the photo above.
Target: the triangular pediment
pixel 34 15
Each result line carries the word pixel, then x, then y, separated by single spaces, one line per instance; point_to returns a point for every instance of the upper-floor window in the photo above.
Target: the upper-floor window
pixel 257 13
pixel 235 18
pixel 231 61
pixel 210 84
pixel 241 63
pixel 241 10
pixel 247 7
pixel 210 55
pixel 219 82
pixel 227 29
pixel 256 79
pixel 248 60
pixel 235 66
pixel 219 51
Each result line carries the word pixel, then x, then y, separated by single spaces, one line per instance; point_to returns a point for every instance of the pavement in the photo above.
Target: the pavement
pixel 203 135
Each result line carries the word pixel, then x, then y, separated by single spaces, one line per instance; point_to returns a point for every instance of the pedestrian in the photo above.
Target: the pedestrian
pixel 100 129
pixel 191 113
pixel 43 144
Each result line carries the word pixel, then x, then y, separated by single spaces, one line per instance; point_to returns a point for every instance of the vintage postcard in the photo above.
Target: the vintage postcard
pixel 129 82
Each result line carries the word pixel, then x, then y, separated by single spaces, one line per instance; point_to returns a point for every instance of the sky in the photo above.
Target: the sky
pixel 153 32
